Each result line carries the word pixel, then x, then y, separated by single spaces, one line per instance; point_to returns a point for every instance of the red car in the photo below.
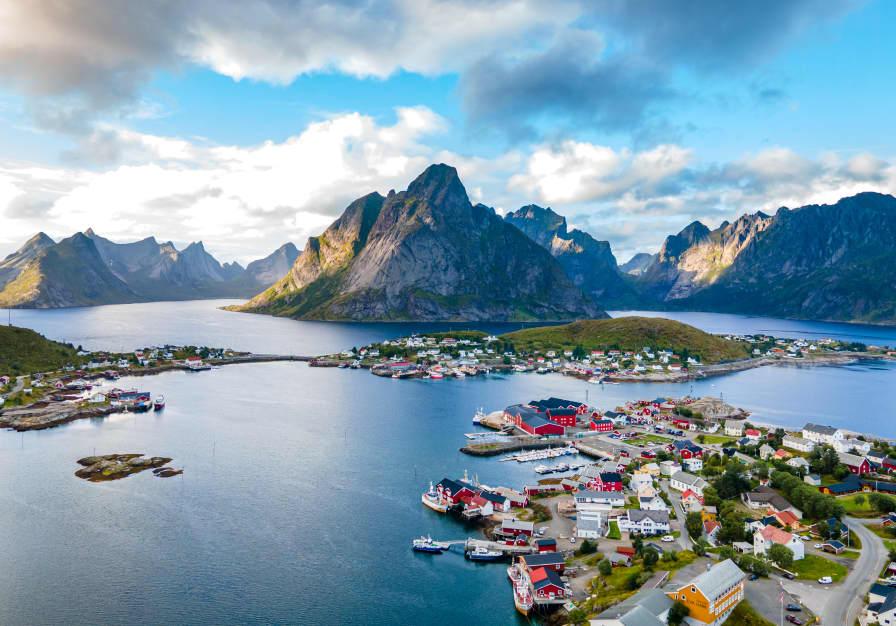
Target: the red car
pixel 623 453
pixel 794 620
pixel 647 454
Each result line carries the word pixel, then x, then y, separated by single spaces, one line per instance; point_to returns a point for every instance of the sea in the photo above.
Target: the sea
pixel 301 487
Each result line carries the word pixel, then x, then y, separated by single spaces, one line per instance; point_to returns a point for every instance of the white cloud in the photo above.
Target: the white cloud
pixel 584 172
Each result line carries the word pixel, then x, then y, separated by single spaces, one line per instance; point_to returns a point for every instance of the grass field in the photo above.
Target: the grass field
pixel 655 438
pixel 745 615
pixel 717 439
pixel 854 508
pixel 813 567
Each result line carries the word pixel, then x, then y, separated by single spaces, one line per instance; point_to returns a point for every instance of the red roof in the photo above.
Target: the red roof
pixel 689 493
pixel 538 574
pixel 776 535
pixel 788 518
pixel 750 431
pixel 710 525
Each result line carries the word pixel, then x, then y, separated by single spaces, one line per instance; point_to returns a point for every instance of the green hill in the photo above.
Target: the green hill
pixel 23 351
pixel 628 333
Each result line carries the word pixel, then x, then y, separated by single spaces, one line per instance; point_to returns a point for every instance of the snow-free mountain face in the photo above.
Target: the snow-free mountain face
pixel 637 264
pixel 87 269
pixel 427 254
pixel 589 263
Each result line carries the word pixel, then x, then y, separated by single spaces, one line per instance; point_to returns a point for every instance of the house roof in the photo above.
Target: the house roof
pixel 796 439
pixel 717 579
pixel 788 518
pixel 543 559
pixel 821 430
pixel 640 609
pixel 710 525
pixel 834 544
pixel 880 589
pixel 658 517
pixel 889 603
pixel 610 477
pixel 546 541
pixel 561 412
pixel 688 493
pixel 852 460
pixel 586 494
pixel 734 424
pixel 776 535
pixel 452 485
pixel 516 524
pixel 752 431
pixel 690 479
pixel 555 403
pixel 843 487
pixel 493 497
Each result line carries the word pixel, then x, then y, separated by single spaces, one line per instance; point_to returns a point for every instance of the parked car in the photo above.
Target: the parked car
pixel 787 575
pixel 623 453
pixel 825 580
pixel 818 546
pixel 803 538
pixel 572 540
pixel 794 620
pixel 668 538
pixel 793 607
pixel 753 577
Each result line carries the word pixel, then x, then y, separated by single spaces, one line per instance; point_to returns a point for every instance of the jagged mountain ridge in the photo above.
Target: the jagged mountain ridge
pixel 637 264
pixel 87 269
pixel 589 263
pixel 425 253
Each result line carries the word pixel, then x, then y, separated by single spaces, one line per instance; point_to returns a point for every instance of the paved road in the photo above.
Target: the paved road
pixel 684 541
pixel 842 603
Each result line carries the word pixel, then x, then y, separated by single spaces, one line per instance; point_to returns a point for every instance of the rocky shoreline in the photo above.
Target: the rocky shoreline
pixel 117 466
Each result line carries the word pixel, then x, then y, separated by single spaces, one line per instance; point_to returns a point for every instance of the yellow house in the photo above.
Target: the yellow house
pixel 712 596
pixel 652 469
pixel 708 513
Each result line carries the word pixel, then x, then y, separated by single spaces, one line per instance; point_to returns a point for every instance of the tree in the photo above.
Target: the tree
pixel 859 499
pixel 694 524
pixel 677 613
pixel 588 547
pixel 782 555
pixel 711 497
pixel 638 545
pixel 651 556
pixel 841 471
pixel 577 616
pixel 604 567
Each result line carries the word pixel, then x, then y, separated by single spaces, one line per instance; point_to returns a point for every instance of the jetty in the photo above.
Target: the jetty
pixel 469 544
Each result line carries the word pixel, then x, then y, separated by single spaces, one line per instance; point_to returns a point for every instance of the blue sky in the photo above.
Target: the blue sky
pixel 248 123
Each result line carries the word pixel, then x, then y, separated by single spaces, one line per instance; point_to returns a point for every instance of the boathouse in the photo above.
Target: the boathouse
pixel 546 544
pixel 601 425
pixel 546 584
pixel 531 421
pixel 514 527
pixel 454 491
pixel 563 416
pixel 549 560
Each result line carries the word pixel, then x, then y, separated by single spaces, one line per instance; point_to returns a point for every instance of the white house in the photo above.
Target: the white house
pixel 667 468
pixel 589 525
pixel 770 535
pixel 641 479
pixel 765 451
pixel 587 497
pixel 801 444
pixel 822 434
pixel 645 522
pixel 682 481
pixel 846 445
pixel 694 464
pixel 654 503
pixel 798 462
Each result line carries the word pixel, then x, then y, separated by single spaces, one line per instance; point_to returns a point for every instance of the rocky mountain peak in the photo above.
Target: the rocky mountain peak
pixel 439 186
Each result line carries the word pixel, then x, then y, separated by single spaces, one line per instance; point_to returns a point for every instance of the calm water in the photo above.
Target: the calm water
pixel 301 489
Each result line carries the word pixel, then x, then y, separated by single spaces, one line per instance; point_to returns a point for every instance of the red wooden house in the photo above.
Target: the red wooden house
pixel 549 560
pixel 455 492
pixel 563 416
pixel 546 545
pixel 601 425
pixel 606 481
pixel 529 420
pixel 547 584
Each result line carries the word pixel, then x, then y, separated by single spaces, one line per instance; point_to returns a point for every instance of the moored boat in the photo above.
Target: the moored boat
pixel 159 403
pixel 426 544
pixel 480 415
pixel 435 500
pixel 484 554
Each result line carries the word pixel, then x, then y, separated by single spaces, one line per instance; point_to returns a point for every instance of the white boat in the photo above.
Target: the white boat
pixel 484 554
pixel 159 403
pixel 480 415
pixel 435 500
pixel 595 380
pixel 459 374
pixel 542 469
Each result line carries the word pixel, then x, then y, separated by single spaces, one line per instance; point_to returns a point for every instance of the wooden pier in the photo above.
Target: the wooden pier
pixel 471 544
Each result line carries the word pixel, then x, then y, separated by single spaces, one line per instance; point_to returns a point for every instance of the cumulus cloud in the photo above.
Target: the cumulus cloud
pixel 243 201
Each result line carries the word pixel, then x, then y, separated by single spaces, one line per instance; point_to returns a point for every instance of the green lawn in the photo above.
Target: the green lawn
pixel 813 567
pixel 854 508
pixel 880 531
pixel 717 439
pixel 614 531
pixel 656 438
pixel 849 554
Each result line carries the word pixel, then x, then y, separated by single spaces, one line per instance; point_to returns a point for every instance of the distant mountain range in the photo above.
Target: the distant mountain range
pixel 86 270
pixel 425 254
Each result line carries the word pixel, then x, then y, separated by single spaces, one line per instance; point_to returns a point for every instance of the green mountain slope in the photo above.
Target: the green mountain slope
pixel 23 351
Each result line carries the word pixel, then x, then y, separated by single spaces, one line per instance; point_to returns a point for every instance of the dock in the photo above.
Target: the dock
pixel 471 544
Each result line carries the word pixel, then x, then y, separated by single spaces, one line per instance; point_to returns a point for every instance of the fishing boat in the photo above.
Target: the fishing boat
pixel 480 415
pixel 435 500
pixel 459 374
pixel 426 544
pixel 159 403
pixel 481 553
pixel 436 376
pixel 522 597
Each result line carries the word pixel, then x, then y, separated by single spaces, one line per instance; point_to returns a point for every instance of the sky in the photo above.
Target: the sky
pixel 246 124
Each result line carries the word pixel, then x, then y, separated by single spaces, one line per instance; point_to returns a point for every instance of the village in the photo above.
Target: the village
pixel 670 513
pixel 470 353
pixel 44 399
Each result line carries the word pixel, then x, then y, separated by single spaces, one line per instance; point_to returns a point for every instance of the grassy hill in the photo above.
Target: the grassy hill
pixel 628 333
pixel 23 351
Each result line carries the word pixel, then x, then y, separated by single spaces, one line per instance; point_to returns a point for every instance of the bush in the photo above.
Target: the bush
pixel 677 613
pixel 782 555
pixel 605 567
pixel 587 547
pixel 651 556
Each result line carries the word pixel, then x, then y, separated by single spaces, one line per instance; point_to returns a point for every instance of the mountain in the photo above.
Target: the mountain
pixel 23 351
pixel 273 267
pixel 424 254
pixel 87 269
pixel 637 264
pixel 830 262
pixel 696 257
pixel 589 263
pixel 13 264
pixel 69 273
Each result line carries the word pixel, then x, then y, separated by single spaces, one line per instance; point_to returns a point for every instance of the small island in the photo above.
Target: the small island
pixel 117 466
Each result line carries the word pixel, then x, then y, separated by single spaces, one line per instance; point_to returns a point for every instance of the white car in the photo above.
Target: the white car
pixel 803 538
pixel 668 538
pixel 818 546
pixel 826 580
pixel 572 540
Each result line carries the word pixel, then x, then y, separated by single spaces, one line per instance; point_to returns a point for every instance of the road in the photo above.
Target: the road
pixel 841 603
pixel 684 541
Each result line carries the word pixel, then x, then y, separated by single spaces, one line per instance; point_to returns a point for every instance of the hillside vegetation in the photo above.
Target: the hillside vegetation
pixel 628 333
pixel 23 351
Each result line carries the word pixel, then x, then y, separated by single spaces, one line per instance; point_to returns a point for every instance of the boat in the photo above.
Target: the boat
pixel 435 376
pixel 595 380
pixel 159 403
pixel 541 370
pixel 522 598
pixel 426 544
pixel 543 469
pixel 434 500
pixel 459 374
pixel 480 415
pixel 481 553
